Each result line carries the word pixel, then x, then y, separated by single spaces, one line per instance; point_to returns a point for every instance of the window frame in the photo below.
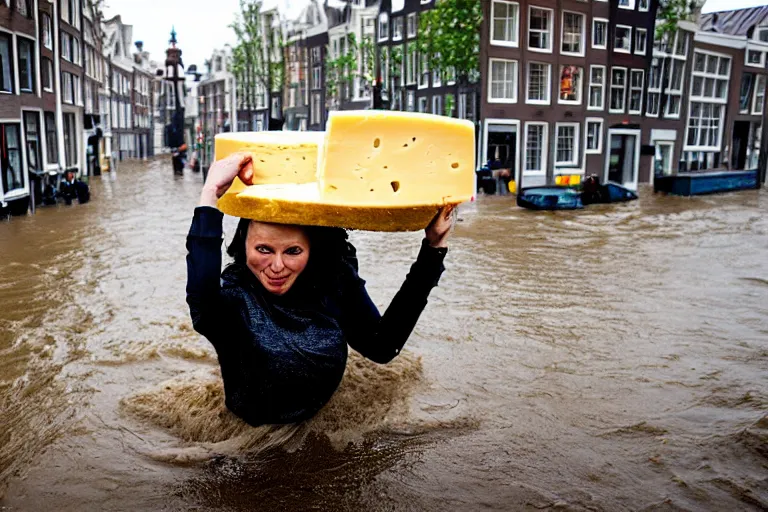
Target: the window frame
pixel 574 163
pixel 383 26
pixel 630 7
pixel 32 64
pixel 602 88
pixel 582 45
pixel 580 88
pixel 548 87
pixel 617 49
pixel 624 87
pixel 411 22
pixel 755 94
pixel 516 29
pixel 595 21
pixel 43 67
pixel 515 85
pixel 599 149
pixel 550 31
pixel 638 31
pixel 437 99
pixel 544 149
pixel 398 22
pixel 630 89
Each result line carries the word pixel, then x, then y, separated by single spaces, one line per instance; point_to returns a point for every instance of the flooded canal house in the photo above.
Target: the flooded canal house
pixel 626 107
pixel 67 79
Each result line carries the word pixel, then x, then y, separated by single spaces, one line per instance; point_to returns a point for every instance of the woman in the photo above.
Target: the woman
pixel 280 317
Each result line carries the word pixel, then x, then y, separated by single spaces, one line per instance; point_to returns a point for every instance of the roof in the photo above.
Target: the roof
pixel 739 22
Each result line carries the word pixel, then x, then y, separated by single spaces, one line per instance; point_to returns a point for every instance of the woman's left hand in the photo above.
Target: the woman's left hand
pixel 440 228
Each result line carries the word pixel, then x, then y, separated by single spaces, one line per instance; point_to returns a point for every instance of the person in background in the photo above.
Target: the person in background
pixel 72 188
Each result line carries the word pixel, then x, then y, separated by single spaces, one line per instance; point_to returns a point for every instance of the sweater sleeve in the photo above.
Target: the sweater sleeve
pixel 204 269
pixel 380 338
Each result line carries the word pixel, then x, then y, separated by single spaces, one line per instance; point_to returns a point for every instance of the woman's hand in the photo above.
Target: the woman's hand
pixel 221 174
pixel 440 227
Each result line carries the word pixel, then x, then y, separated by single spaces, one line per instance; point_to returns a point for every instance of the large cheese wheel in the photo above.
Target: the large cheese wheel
pixel 375 170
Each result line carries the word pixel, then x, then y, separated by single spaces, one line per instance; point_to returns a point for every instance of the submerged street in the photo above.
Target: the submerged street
pixel 614 358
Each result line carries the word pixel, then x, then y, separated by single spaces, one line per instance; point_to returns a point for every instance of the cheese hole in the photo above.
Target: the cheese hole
pixel 414 139
pixel 371 190
pixel 386 167
pixel 332 187
pixel 395 186
pixel 376 143
pixel 405 145
pixel 455 165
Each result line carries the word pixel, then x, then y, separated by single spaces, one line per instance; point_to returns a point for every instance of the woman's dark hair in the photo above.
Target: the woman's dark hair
pixel 328 249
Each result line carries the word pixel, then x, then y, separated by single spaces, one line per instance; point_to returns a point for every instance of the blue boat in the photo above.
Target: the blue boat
pixel 568 198
pixel 698 183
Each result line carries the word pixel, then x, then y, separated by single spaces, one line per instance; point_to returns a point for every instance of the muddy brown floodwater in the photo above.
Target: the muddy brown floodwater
pixel 610 359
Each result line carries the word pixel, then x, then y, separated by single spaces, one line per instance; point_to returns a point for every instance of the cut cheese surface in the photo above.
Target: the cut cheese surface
pixel 278 157
pixel 377 157
pixel 371 170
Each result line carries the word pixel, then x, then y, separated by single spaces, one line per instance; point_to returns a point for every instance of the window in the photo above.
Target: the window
pixel 424 72
pixel 538 83
pixel 450 102
pixel 411 65
pixel 47 74
pixel 10 157
pixel 411 101
pixel 709 88
pixel 759 101
pixel 754 58
pixel 24 8
pixel 596 88
pixel 536 148
pixel 600 33
pixel 594 136
pixel 6 64
pixel 383 27
pixel 78 93
pixel 540 29
pixel 67 93
pixel 675 88
pixel 504 26
pixel 412 25
pixel 436 79
pixel 47 32
pixel 423 104
pixel 503 82
pixel 316 113
pixel 70 140
pixel 681 43
pixel 641 38
pixel 570 84
pixel 32 137
pixel 654 91
pixel 643 5
pixel 704 125
pixel 75 50
pixel 66 43
pixel 622 43
pixel 384 68
pixel 745 92
pixel 626 4
pixel 566 150
pixel 26 64
pixel 51 141
pixel 618 89
pixel 437 105
pixel 636 77
pixel 317 79
pixel 397 29
pixel 572 34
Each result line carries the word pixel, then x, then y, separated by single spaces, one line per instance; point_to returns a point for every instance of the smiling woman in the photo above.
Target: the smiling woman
pixel 282 314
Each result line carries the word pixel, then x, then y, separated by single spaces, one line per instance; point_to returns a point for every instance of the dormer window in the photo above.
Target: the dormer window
pixel 762 34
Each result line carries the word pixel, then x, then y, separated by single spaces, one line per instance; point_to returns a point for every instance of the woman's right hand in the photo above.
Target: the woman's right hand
pixel 221 174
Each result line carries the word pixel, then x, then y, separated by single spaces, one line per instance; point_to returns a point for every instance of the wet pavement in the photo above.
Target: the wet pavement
pixel 613 358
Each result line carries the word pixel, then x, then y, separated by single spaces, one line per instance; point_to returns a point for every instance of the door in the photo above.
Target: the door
pixel 662 162
pixel 740 144
pixel 623 157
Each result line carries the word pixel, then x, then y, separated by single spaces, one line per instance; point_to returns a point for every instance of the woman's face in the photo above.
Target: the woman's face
pixel 276 254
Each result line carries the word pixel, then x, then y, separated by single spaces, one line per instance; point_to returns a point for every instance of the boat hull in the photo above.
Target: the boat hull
pixel 700 183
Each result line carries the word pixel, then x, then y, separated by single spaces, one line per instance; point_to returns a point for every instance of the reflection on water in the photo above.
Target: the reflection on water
pixel 612 358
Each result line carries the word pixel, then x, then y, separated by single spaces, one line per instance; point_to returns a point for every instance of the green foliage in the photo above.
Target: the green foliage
pixel 252 64
pixel 343 68
pixel 450 102
pixel 671 12
pixel 449 34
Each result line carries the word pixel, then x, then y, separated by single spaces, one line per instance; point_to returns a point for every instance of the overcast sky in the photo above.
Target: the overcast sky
pixel 202 26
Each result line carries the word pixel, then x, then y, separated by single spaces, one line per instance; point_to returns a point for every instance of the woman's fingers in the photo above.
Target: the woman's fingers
pixel 246 170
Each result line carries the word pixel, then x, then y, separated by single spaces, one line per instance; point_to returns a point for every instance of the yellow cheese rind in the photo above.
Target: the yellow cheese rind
pixel 278 157
pixel 282 210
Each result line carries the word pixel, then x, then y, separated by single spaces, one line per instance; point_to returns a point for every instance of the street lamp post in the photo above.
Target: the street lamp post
pixel 174 131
